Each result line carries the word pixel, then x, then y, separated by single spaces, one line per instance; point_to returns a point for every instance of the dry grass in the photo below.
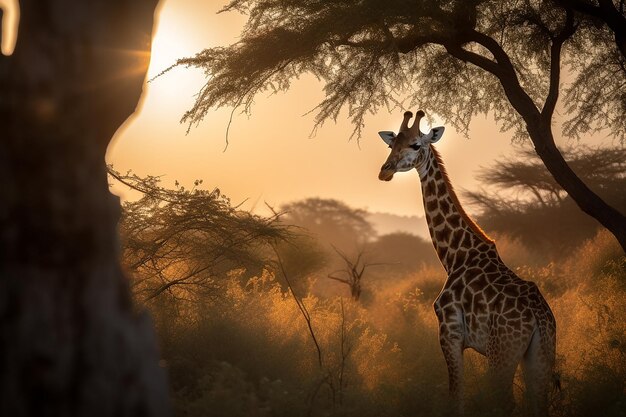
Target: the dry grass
pixel 249 353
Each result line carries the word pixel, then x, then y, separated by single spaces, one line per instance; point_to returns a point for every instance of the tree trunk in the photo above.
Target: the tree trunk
pixel 585 198
pixel 70 342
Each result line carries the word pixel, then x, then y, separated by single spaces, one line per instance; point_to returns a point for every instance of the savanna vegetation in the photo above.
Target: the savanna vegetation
pixel 241 333
pixel 256 315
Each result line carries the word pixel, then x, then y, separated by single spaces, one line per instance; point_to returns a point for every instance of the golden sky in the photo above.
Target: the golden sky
pixel 271 157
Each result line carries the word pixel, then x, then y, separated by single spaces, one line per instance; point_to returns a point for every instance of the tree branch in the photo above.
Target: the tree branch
pixel 415 40
pixel 555 66
pixel 456 50
pixel 504 69
pixel 606 12
pixel 173 282
pixel 301 307
pixel 582 7
pixel 342 280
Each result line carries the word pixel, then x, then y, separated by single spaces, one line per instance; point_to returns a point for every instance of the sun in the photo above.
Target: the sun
pixel 173 39
pixel 167 46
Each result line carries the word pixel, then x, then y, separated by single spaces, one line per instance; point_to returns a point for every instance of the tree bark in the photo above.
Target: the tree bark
pixel 70 341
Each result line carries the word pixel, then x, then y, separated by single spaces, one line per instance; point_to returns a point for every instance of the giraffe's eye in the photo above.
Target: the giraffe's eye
pixel 415 146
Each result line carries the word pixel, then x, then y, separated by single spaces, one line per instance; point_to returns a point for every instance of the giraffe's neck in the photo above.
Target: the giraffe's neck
pixel 453 232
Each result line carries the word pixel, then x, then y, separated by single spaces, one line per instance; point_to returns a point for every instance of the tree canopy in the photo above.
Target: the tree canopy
pixel 331 221
pixel 403 252
pixel 603 169
pixel 455 58
pixel 372 54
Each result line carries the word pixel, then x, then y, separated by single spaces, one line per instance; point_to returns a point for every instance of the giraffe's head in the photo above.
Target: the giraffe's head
pixel 409 148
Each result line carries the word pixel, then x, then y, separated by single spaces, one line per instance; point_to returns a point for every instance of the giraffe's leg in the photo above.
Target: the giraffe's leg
pixel 538 364
pixel 451 341
pixel 501 388
pixel 503 358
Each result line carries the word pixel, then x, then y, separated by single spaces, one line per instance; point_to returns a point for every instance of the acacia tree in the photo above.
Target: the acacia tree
pixel 524 201
pixel 331 221
pixel 457 58
pixel 604 169
pixel 184 240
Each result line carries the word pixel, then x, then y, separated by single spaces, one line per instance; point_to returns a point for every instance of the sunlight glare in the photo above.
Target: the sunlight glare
pixel 173 93
pixel 167 46
pixel 10 21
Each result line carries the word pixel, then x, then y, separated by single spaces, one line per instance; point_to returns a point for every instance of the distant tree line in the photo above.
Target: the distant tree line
pixel 186 241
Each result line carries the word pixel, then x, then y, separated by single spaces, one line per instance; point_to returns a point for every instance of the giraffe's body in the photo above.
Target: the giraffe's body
pixel 483 305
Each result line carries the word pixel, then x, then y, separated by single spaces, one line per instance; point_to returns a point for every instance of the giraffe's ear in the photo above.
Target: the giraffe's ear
pixel 387 136
pixel 435 134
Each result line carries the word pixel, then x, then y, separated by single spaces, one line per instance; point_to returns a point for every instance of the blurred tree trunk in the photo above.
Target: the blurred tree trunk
pixel 70 342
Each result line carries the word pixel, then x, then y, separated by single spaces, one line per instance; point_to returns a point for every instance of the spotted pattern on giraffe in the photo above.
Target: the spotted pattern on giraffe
pixel 483 305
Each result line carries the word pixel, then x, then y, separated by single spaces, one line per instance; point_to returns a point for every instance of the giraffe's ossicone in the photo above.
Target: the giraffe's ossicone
pixel 483 305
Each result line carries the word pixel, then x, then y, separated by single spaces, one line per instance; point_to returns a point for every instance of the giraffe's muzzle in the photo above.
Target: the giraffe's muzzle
pixel 386 172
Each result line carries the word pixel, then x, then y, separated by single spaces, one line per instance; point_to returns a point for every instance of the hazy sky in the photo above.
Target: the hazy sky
pixel 271 157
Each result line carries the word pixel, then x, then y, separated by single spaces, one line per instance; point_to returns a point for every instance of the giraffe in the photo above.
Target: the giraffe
pixel 483 305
